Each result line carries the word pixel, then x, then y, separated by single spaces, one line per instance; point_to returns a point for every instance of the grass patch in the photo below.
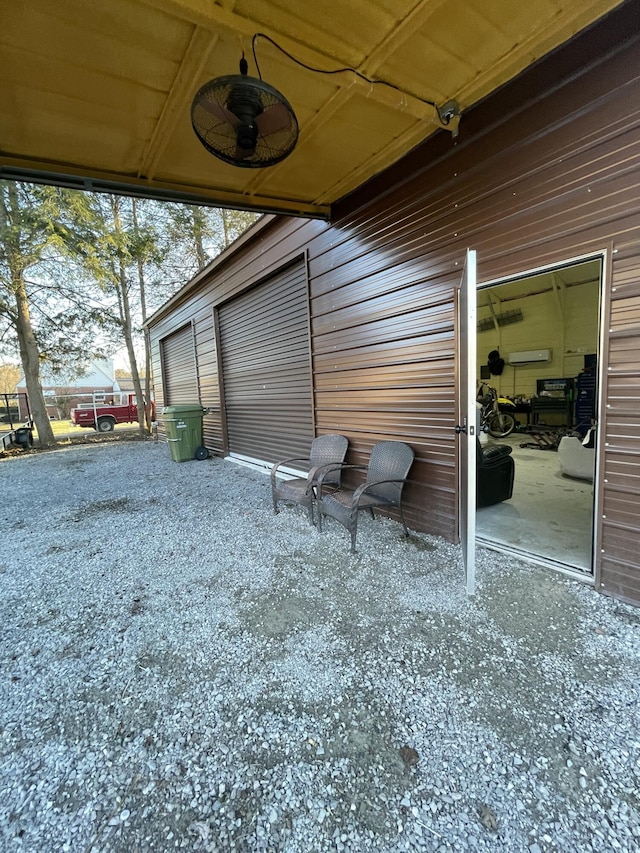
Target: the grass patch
pixel 63 429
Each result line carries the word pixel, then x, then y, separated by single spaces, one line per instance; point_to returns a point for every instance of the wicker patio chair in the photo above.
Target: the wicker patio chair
pixel 387 471
pixel 325 450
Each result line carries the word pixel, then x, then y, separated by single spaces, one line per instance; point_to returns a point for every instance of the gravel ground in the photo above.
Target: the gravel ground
pixel 181 669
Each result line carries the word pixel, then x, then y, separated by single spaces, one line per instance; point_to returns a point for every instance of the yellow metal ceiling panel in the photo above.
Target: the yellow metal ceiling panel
pixel 101 91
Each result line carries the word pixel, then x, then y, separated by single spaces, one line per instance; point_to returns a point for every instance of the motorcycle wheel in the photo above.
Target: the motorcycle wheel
pixel 501 425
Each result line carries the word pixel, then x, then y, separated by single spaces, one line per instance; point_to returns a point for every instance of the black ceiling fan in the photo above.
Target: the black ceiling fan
pixel 244 121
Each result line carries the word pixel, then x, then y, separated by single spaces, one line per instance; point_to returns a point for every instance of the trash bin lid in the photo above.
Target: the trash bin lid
pixel 194 409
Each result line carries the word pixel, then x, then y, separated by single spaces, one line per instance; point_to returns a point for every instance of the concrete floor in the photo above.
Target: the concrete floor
pixel 549 516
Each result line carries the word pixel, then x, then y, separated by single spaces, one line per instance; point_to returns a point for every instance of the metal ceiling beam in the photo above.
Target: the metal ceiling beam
pixel 208 16
pixel 39 172
pixel 533 47
pixel 392 97
pixel 559 290
pixel 404 29
pixel 493 315
pixel 337 101
pixel 391 152
pixel 185 84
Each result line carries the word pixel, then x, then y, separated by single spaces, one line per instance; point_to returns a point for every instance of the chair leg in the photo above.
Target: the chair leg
pixel 319 511
pixel 354 529
pixel 406 531
pixel 313 509
pixel 275 506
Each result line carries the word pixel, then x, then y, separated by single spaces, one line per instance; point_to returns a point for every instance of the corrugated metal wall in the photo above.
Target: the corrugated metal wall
pixel 179 369
pixel 383 351
pixel 207 360
pixel 620 517
pixel 266 368
pixel 545 171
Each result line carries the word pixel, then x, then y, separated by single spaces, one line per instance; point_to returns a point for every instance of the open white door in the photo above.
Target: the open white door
pixel 467 413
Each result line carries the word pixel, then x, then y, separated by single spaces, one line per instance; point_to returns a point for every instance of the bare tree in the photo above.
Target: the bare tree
pixel 143 251
pixel 9 378
pixel 123 258
pixel 20 251
pixel 63 401
pixel 196 235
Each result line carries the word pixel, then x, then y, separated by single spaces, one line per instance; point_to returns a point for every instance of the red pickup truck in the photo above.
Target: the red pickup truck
pixel 104 416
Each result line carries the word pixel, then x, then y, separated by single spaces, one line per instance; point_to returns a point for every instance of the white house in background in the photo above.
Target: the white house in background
pixel 62 392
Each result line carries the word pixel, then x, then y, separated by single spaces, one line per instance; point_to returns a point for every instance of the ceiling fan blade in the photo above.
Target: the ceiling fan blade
pixel 220 112
pixel 273 119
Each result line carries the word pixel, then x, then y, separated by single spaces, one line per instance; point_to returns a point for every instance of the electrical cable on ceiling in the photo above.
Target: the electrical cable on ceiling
pixel 445 114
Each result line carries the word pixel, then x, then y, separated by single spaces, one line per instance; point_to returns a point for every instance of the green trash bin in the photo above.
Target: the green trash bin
pixel 183 425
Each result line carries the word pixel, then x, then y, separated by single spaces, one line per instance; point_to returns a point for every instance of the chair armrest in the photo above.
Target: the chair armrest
pixel 491 455
pixel 275 468
pixel 318 470
pixel 360 491
pixel 335 466
pixel 317 473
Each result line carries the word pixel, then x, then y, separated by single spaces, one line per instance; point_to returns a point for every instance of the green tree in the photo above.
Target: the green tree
pixel 45 316
pixel 111 260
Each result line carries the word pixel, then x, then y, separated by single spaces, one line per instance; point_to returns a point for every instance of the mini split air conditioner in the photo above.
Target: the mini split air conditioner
pixel 530 356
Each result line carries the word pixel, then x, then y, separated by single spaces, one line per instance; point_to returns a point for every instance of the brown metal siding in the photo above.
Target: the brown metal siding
pixel 383 349
pixel 179 368
pixel 620 573
pixel 544 171
pixel 264 344
pixel 207 364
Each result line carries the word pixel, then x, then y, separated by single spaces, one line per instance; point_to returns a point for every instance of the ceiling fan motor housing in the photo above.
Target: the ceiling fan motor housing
pixel 245 104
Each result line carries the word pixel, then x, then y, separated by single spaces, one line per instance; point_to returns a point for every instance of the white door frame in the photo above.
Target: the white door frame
pixel 466 427
pixel 603 255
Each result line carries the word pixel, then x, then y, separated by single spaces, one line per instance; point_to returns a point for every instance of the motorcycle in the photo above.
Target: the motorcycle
pixel 494 417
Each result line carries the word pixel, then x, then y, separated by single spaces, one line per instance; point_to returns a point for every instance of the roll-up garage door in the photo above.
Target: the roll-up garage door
pixel 180 374
pixel 266 366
